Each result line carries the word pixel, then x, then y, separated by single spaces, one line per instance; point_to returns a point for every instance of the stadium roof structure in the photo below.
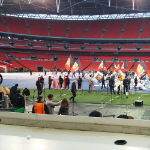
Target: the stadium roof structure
pixel 76 9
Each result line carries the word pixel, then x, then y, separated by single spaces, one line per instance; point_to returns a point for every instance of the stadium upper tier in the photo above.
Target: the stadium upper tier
pixel 122 28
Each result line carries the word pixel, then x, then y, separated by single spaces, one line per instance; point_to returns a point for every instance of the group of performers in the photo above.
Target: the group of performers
pixel 115 81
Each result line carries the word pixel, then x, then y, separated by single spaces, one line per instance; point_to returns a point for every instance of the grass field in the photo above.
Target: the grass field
pixel 95 96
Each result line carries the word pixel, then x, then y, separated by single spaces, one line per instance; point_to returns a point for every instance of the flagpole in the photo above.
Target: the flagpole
pixel 110 66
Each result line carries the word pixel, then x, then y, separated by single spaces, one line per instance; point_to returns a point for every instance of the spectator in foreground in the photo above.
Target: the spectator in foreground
pixel 50 104
pixel 13 91
pixel 64 107
pixel 125 117
pixel 18 102
pixel 26 93
pixel 95 114
pixel 40 107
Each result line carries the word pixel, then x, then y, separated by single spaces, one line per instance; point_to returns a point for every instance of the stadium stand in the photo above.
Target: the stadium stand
pixel 106 29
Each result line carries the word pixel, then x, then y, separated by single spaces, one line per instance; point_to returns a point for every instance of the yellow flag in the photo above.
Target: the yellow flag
pixel 140 69
pixel 75 67
pixel 67 65
pixel 101 66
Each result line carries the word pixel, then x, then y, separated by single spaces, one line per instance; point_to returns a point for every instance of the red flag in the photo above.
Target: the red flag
pixel 122 67
pixel 75 67
pixel 68 63
pixel 54 83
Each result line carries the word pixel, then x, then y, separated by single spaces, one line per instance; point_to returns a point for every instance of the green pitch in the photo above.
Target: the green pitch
pixel 94 96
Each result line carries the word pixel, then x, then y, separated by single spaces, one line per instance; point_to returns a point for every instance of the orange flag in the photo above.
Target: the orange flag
pixel 68 63
pixel 101 65
pixel 139 69
pixel 75 67
pixel 122 67
pixel 54 83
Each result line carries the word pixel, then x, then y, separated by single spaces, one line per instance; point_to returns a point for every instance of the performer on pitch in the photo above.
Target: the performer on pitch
pixel 67 82
pixel 126 85
pixel 90 83
pixel 39 87
pixel 103 82
pixel 60 82
pixel 79 82
pixel 49 82
pixel 73 90
pixel 112 84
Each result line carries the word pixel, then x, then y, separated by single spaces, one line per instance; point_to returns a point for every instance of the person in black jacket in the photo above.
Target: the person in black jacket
pixel 73 90
pixel 39 86
pixel 79 82
pixel 13 91
pixel 126 84
pixel 67 82
pixel 49 82
pixel 103 82
pixel 26 93
pixel 41 79
pixel 19 101
pixel 61 81
pixel 112 84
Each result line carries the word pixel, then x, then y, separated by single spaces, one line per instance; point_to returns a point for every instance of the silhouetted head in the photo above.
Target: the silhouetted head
pixel 50 96
pixel 64 103
pixel 40 99
pixel 95 114
pixel 16 85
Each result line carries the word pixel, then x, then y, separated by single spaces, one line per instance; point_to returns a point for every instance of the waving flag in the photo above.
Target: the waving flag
pixel 116 67
pixel 75 67
pixel 122 67
pixel 101 65
pixel 68 63
pixel 140 69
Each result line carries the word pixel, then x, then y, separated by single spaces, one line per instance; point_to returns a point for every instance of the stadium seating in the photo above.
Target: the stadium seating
pixel 123 28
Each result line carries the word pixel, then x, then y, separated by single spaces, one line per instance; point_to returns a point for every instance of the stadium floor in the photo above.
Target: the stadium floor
pixel 83 109
pixel 107 110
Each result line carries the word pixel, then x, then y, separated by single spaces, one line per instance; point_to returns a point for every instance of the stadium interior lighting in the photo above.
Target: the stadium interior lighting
pixel 81 17
pixel 133 4
pixel 1 2
pixel 109 3
pixel 29 1
pixel 9 37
